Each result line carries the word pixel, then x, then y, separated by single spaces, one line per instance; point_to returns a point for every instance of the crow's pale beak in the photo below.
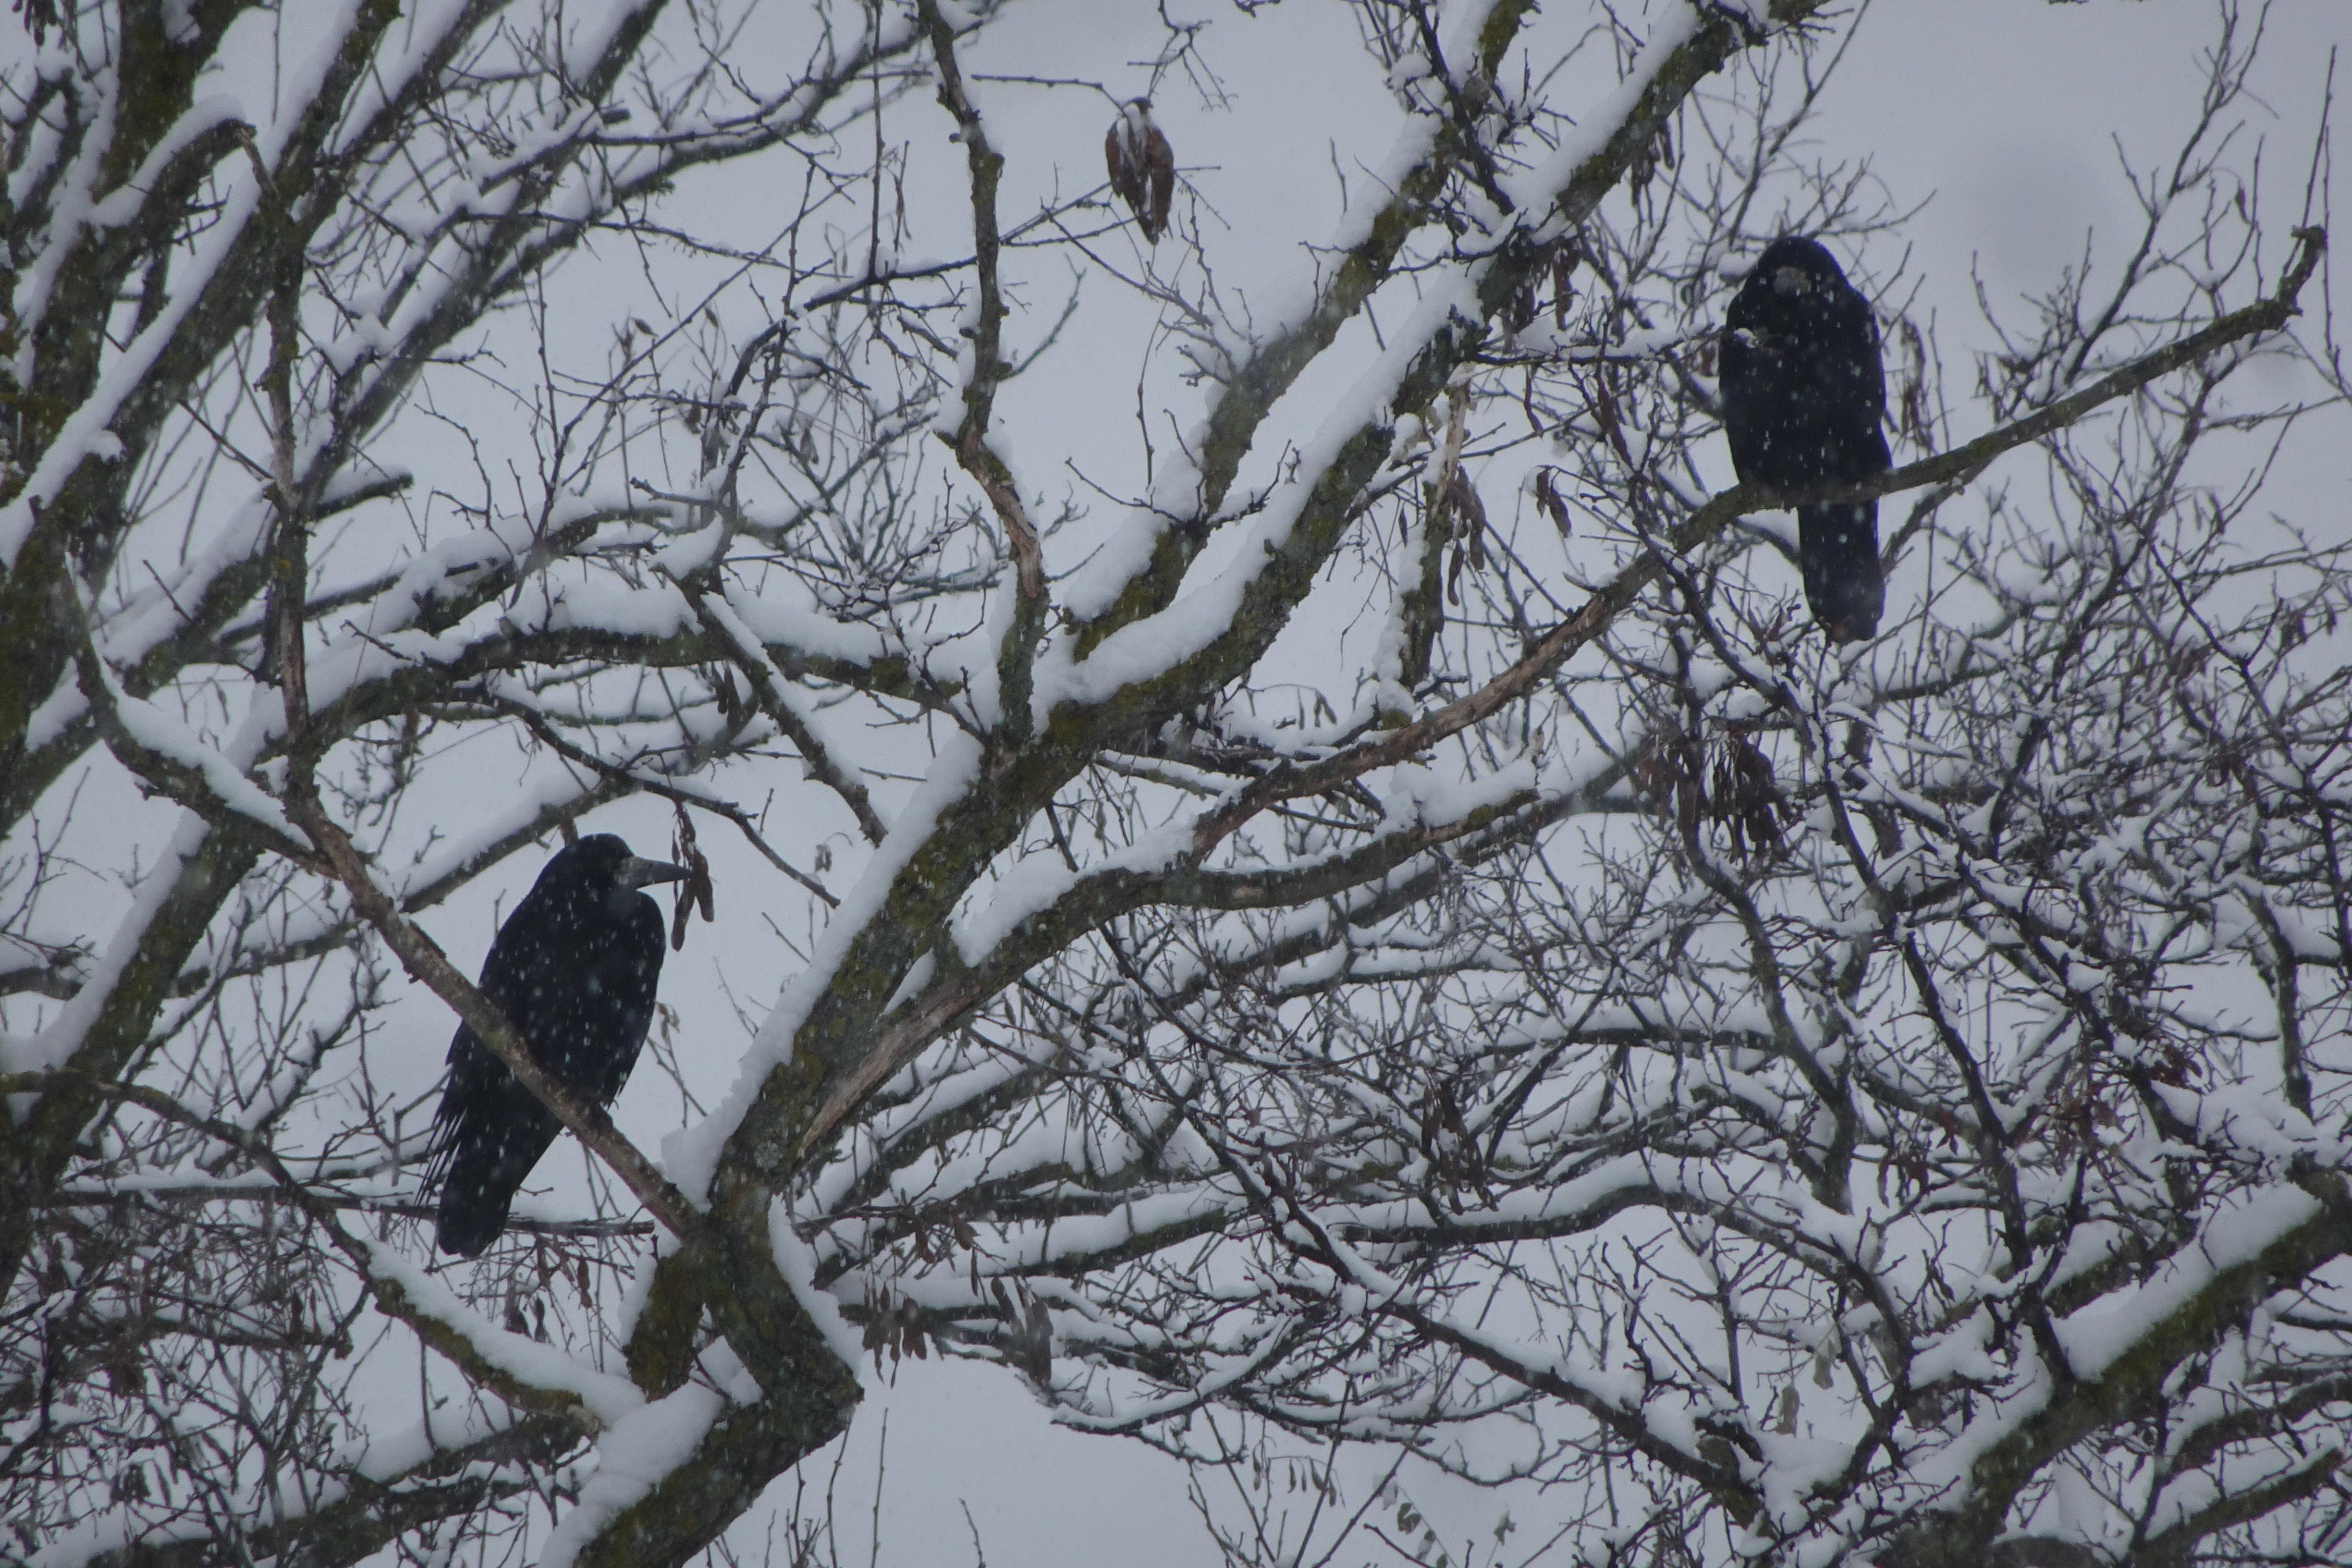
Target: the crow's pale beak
pixel 637 872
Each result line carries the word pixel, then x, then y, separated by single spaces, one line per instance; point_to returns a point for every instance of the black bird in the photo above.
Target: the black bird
pixel 1803 391
pixel 573 970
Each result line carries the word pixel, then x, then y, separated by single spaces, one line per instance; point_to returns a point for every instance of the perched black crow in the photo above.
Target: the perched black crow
pixel 1803 390
pixel 573 970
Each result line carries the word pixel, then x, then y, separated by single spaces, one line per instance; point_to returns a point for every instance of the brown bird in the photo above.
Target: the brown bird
pixel 1142 168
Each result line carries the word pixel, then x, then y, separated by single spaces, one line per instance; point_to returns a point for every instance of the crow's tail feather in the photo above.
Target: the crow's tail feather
pixel 481 1175
pixel 474 1200
pixel 1839 548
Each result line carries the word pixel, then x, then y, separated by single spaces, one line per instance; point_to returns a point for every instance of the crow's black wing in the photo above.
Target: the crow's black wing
pixel 592 1002
pixel 1837 542
pixel 490 1130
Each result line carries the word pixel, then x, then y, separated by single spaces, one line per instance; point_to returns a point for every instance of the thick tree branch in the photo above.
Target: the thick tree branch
pixel 1017 649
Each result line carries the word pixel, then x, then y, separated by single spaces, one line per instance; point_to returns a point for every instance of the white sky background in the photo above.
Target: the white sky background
pixel 2002 116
